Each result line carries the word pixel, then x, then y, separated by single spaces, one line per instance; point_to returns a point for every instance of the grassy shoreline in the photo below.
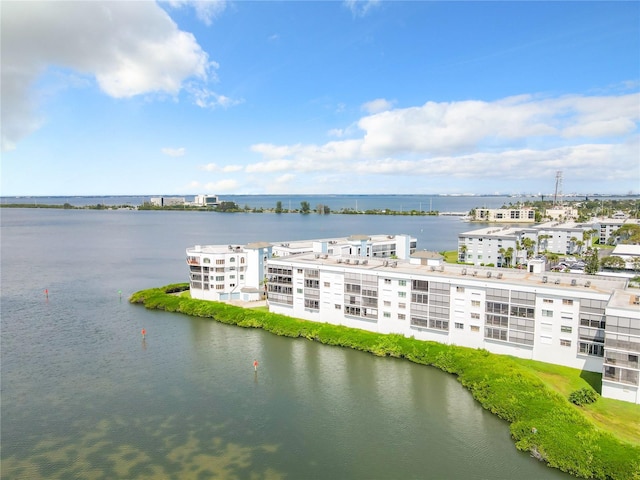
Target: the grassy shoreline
pixel 542 420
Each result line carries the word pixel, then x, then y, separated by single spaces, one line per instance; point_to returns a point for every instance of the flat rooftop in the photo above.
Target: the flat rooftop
pixel 492 275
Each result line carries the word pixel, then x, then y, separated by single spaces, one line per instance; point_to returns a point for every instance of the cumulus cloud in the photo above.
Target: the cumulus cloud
pixel 377 105
pixel 232 168
pixel 213 167
pixel 206 10
pixel 286 178
pixel 174 152
pixel 360 8
pixel 519 137
pixel 129 48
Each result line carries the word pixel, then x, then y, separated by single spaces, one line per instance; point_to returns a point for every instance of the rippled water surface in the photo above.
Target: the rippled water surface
pixel 83 396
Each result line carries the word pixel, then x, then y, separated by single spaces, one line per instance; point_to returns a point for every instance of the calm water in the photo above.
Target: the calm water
pixel 84 397
pixel 335 202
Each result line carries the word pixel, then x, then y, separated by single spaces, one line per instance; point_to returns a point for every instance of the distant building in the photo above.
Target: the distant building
pixel 167 201
pixel 606 227
pixel 505 215
pixel 490 245
pixel 206 200
pixel 630 254
pixel 561 213
pixel 561 238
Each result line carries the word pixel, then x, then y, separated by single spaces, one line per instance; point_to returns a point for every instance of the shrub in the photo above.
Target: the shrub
pixel 583 396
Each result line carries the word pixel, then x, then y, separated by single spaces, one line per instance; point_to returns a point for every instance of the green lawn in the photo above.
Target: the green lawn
pixel 622 419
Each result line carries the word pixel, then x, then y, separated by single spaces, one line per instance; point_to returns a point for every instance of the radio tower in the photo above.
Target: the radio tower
pixel 558 188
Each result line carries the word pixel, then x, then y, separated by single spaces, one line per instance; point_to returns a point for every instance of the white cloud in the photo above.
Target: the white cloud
pixel 232 168
pixel 286 178
pixel 174 152
pixel 378 105
pixel 206 10
pixel 130 48
pixel 360 8
pixel 210 167
pixel 213 167
pixel 517 138
pixel 206 98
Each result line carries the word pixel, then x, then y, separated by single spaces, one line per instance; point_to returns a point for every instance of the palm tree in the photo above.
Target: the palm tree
pixel 502 252
pixel 528 245
pixel 508 255
pixel 463 251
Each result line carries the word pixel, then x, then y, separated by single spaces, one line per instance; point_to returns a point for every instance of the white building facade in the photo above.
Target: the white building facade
pixel 554 318
pixel 590 323
pixel 228 272
pixel 505 215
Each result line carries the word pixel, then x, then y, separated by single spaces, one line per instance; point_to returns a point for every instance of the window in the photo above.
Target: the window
pixel 460 289
pixel 386 315
pixel 459 326
pixel 475 303
pixel 475 316
pixel 313 304
pixel 299 290
pixel 565 329
pixel 567 301
pixel 401 316
pixel 547 300
pixel 565 343
pixel 220 261
pixel 387 303
pixel 327 284
pixel 232 259
pixel 220 279
pixel 475 328
pixel 402 294
pixel 338 306
pixel 402 283
pixel 387 281
pixel 547 313
pixel 219 287
pixel 402 305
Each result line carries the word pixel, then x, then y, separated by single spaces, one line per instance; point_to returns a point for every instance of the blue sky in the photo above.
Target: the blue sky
pixel 183 98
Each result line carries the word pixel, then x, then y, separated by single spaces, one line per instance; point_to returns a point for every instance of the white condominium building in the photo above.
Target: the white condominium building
pixel 237 272
pixel 491 245
pixel 505 215
pixel 587 322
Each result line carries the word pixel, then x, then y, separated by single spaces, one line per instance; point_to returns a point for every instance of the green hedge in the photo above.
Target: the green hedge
pixel 542 421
